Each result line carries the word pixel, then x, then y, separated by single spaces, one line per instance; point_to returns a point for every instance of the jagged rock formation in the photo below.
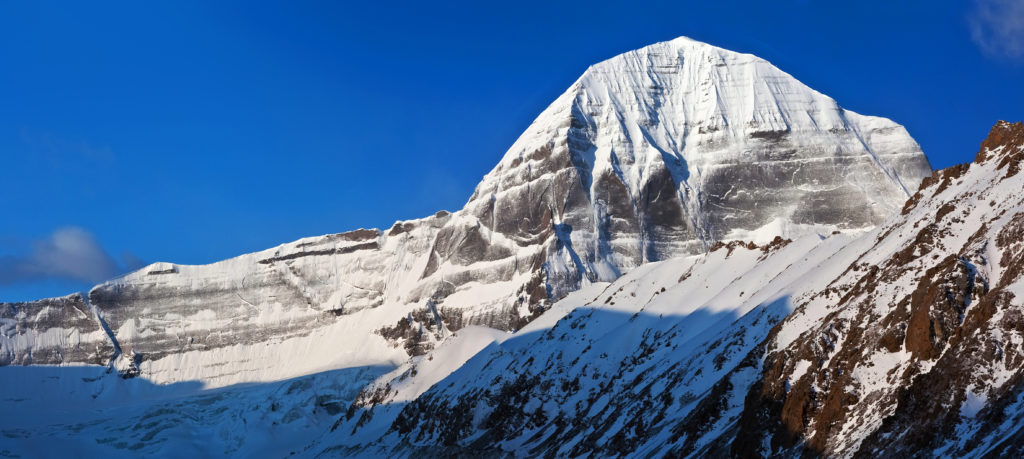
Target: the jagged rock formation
pixel 657 153
pixel 903 342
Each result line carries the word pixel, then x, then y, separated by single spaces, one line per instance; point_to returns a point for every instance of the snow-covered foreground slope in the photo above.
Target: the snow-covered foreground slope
pixel 904 341
pixel 645 347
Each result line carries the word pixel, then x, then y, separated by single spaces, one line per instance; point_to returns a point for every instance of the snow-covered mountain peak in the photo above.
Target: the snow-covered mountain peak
pixel 709 87
pixel 664 150
pixel 670 200
pixel 657 153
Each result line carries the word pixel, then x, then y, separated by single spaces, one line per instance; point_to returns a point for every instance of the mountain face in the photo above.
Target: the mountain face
pixel 662 151
pixel 653 154
pixel 905 341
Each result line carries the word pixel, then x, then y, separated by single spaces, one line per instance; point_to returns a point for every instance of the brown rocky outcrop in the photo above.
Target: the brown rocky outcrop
pixel 952 325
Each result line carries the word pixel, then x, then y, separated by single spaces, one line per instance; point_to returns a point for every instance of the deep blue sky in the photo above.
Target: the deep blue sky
pixel 195 131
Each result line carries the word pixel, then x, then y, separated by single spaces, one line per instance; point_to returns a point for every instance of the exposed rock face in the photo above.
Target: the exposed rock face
pixel 662 151
pixel 657 153
pixel 907 341
pixel 911 371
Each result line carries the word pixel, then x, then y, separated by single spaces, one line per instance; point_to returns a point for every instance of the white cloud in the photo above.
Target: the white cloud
pixel 69 253
pixel 997 27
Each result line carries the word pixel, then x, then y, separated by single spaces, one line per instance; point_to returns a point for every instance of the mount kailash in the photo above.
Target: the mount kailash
pixel 688 253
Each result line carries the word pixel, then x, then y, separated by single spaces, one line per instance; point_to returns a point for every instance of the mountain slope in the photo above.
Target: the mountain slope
pixel 904 341
pixel 610 374
pixel 923 332
pixel 662 151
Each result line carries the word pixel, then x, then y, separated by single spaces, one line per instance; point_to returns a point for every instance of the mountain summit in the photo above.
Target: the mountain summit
pixel 663 151
pixel 657 153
